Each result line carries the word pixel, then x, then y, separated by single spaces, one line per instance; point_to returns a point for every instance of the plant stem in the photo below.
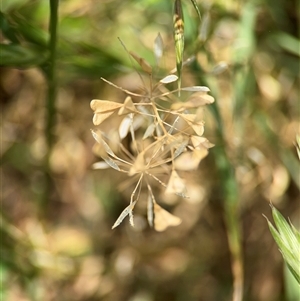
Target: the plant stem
pixel 52 91
pixel 230 192
pixel 51 74
pixel 230 204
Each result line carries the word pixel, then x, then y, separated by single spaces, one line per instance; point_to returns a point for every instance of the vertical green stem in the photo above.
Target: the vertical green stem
pixel 51 73
pixel 231 215
pixel 52 90
pixel 230 195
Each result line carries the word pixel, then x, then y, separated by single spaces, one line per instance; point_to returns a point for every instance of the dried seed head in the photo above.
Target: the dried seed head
pixel 158 136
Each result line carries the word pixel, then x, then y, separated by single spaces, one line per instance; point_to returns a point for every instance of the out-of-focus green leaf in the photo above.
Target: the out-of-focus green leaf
pixel 22 56
pixel 287 42
pixel 287 239
pixel 87 60
pixel 244 83
pixel 8 31
pixel 73 28
pixel 263 122
pixel 90 67
pixel 11 4
pixel 31 33
pixel 205 24
pixel 246 42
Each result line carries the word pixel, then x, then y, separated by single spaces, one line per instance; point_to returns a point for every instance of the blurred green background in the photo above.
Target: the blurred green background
pixel 57 213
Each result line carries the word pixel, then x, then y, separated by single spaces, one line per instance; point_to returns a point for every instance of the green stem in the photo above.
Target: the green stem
pixel 231 215
pixel 50 71
pixel 230 195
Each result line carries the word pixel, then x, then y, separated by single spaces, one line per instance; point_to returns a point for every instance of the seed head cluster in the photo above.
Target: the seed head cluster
pixel 158 137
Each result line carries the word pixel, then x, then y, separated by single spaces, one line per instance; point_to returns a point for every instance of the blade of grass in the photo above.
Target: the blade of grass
pixel 265 125
pixel 287 239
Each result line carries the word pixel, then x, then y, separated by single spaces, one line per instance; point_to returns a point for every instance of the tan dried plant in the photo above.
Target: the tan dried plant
pixel 165 134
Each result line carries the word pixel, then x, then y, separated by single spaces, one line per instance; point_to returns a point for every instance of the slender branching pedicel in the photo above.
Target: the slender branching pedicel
pixel 166 138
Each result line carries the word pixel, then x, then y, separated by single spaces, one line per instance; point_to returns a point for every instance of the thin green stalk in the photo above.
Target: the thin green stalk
pixel 242 80
pixel 50 71
pixel 231 215
pixel 230 195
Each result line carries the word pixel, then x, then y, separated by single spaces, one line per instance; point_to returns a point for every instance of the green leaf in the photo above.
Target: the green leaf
pixel 13 55
pixel 8 30
pixel 287 42
pixel 245 44
pixel 32 33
